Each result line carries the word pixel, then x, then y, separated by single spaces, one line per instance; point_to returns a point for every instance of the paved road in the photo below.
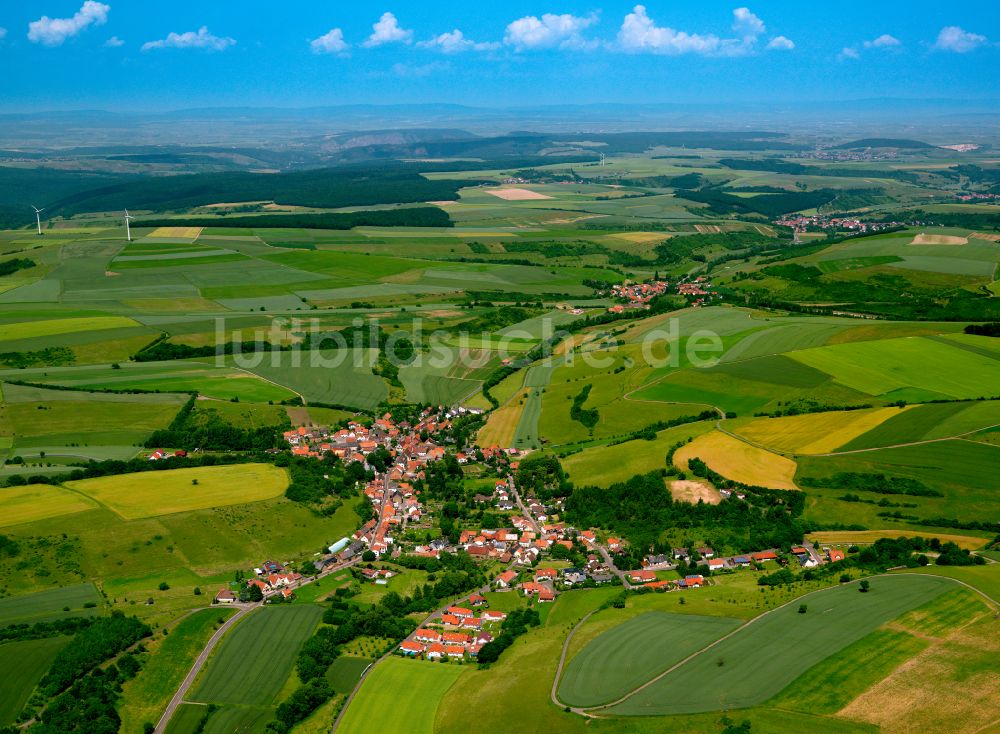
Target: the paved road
pixel 196 668
pixel 562 662
pixel 524 510
pixel 611 564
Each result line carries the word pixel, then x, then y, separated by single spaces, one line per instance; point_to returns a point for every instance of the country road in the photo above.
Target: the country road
pixel 562 661
pixel 178 698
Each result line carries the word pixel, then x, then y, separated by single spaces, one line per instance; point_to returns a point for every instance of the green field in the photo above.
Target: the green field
pixel 399 696
pixel 22 665
pixel 605 465
pixel 345 672
pixel 255 658
pixel 631 653
pixel 925 365
pixel 47 605
pixel 768 654
pixel 149 494
pixel 146 696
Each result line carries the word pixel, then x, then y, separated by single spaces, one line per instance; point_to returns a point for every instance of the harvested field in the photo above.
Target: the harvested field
pixel 938 239
pixel 707 228
pixel 985 236
pixel 739 461
pixel 867 537
pixel 686 490
pixel 515 194
pixel 502 423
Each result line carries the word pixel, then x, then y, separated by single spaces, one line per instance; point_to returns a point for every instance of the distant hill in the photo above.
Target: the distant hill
pixel 900 143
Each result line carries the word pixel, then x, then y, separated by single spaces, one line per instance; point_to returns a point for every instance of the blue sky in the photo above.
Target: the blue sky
pixel 156 55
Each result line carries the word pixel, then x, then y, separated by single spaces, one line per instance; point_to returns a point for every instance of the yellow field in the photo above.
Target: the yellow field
pixel 52 327
pixel 986 236
pixel 39 502
pixel 502 423
pixel 176 232
pixel 815 433
pixel 739 461
pixel 866 537
pixel 148 494
pixel 938 239
pixel 643 237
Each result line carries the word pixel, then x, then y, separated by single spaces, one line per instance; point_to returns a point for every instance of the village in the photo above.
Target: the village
pixel 535 557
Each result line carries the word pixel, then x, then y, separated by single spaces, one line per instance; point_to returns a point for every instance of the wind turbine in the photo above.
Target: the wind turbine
pixel 128 228
pixel 38 218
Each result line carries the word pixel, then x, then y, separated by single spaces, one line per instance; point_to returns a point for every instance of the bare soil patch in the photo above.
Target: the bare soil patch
pixel 686 490
pixel 515 194
pixel 938 239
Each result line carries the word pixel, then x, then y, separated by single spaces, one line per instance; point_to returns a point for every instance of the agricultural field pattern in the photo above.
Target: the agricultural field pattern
pixel 565 418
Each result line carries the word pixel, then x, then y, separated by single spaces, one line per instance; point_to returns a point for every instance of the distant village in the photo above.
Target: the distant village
pixel 800 223
pixel 639 295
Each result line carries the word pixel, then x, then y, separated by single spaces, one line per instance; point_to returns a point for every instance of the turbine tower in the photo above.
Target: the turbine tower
pixel 38 218
pixel 602 159
pixel 128 228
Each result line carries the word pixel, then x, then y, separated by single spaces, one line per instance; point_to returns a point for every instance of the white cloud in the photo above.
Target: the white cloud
pixel 331 42
pixel 747 25
pixel 780 43
pixel 3 33
pixel 549 31
pixel 406 70
pixel 54 31
pixel 884 41
pixel 455 42
pixel 953 38
pixel 640 33
pixel 114 42
pixel 190 39
pixel 848 53
pixel 387 30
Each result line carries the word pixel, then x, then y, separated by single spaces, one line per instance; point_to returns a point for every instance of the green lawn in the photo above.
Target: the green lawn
pixel 254 660
pixel 635 651
pixel 400 696
pixel 22 665
pixel 771 652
